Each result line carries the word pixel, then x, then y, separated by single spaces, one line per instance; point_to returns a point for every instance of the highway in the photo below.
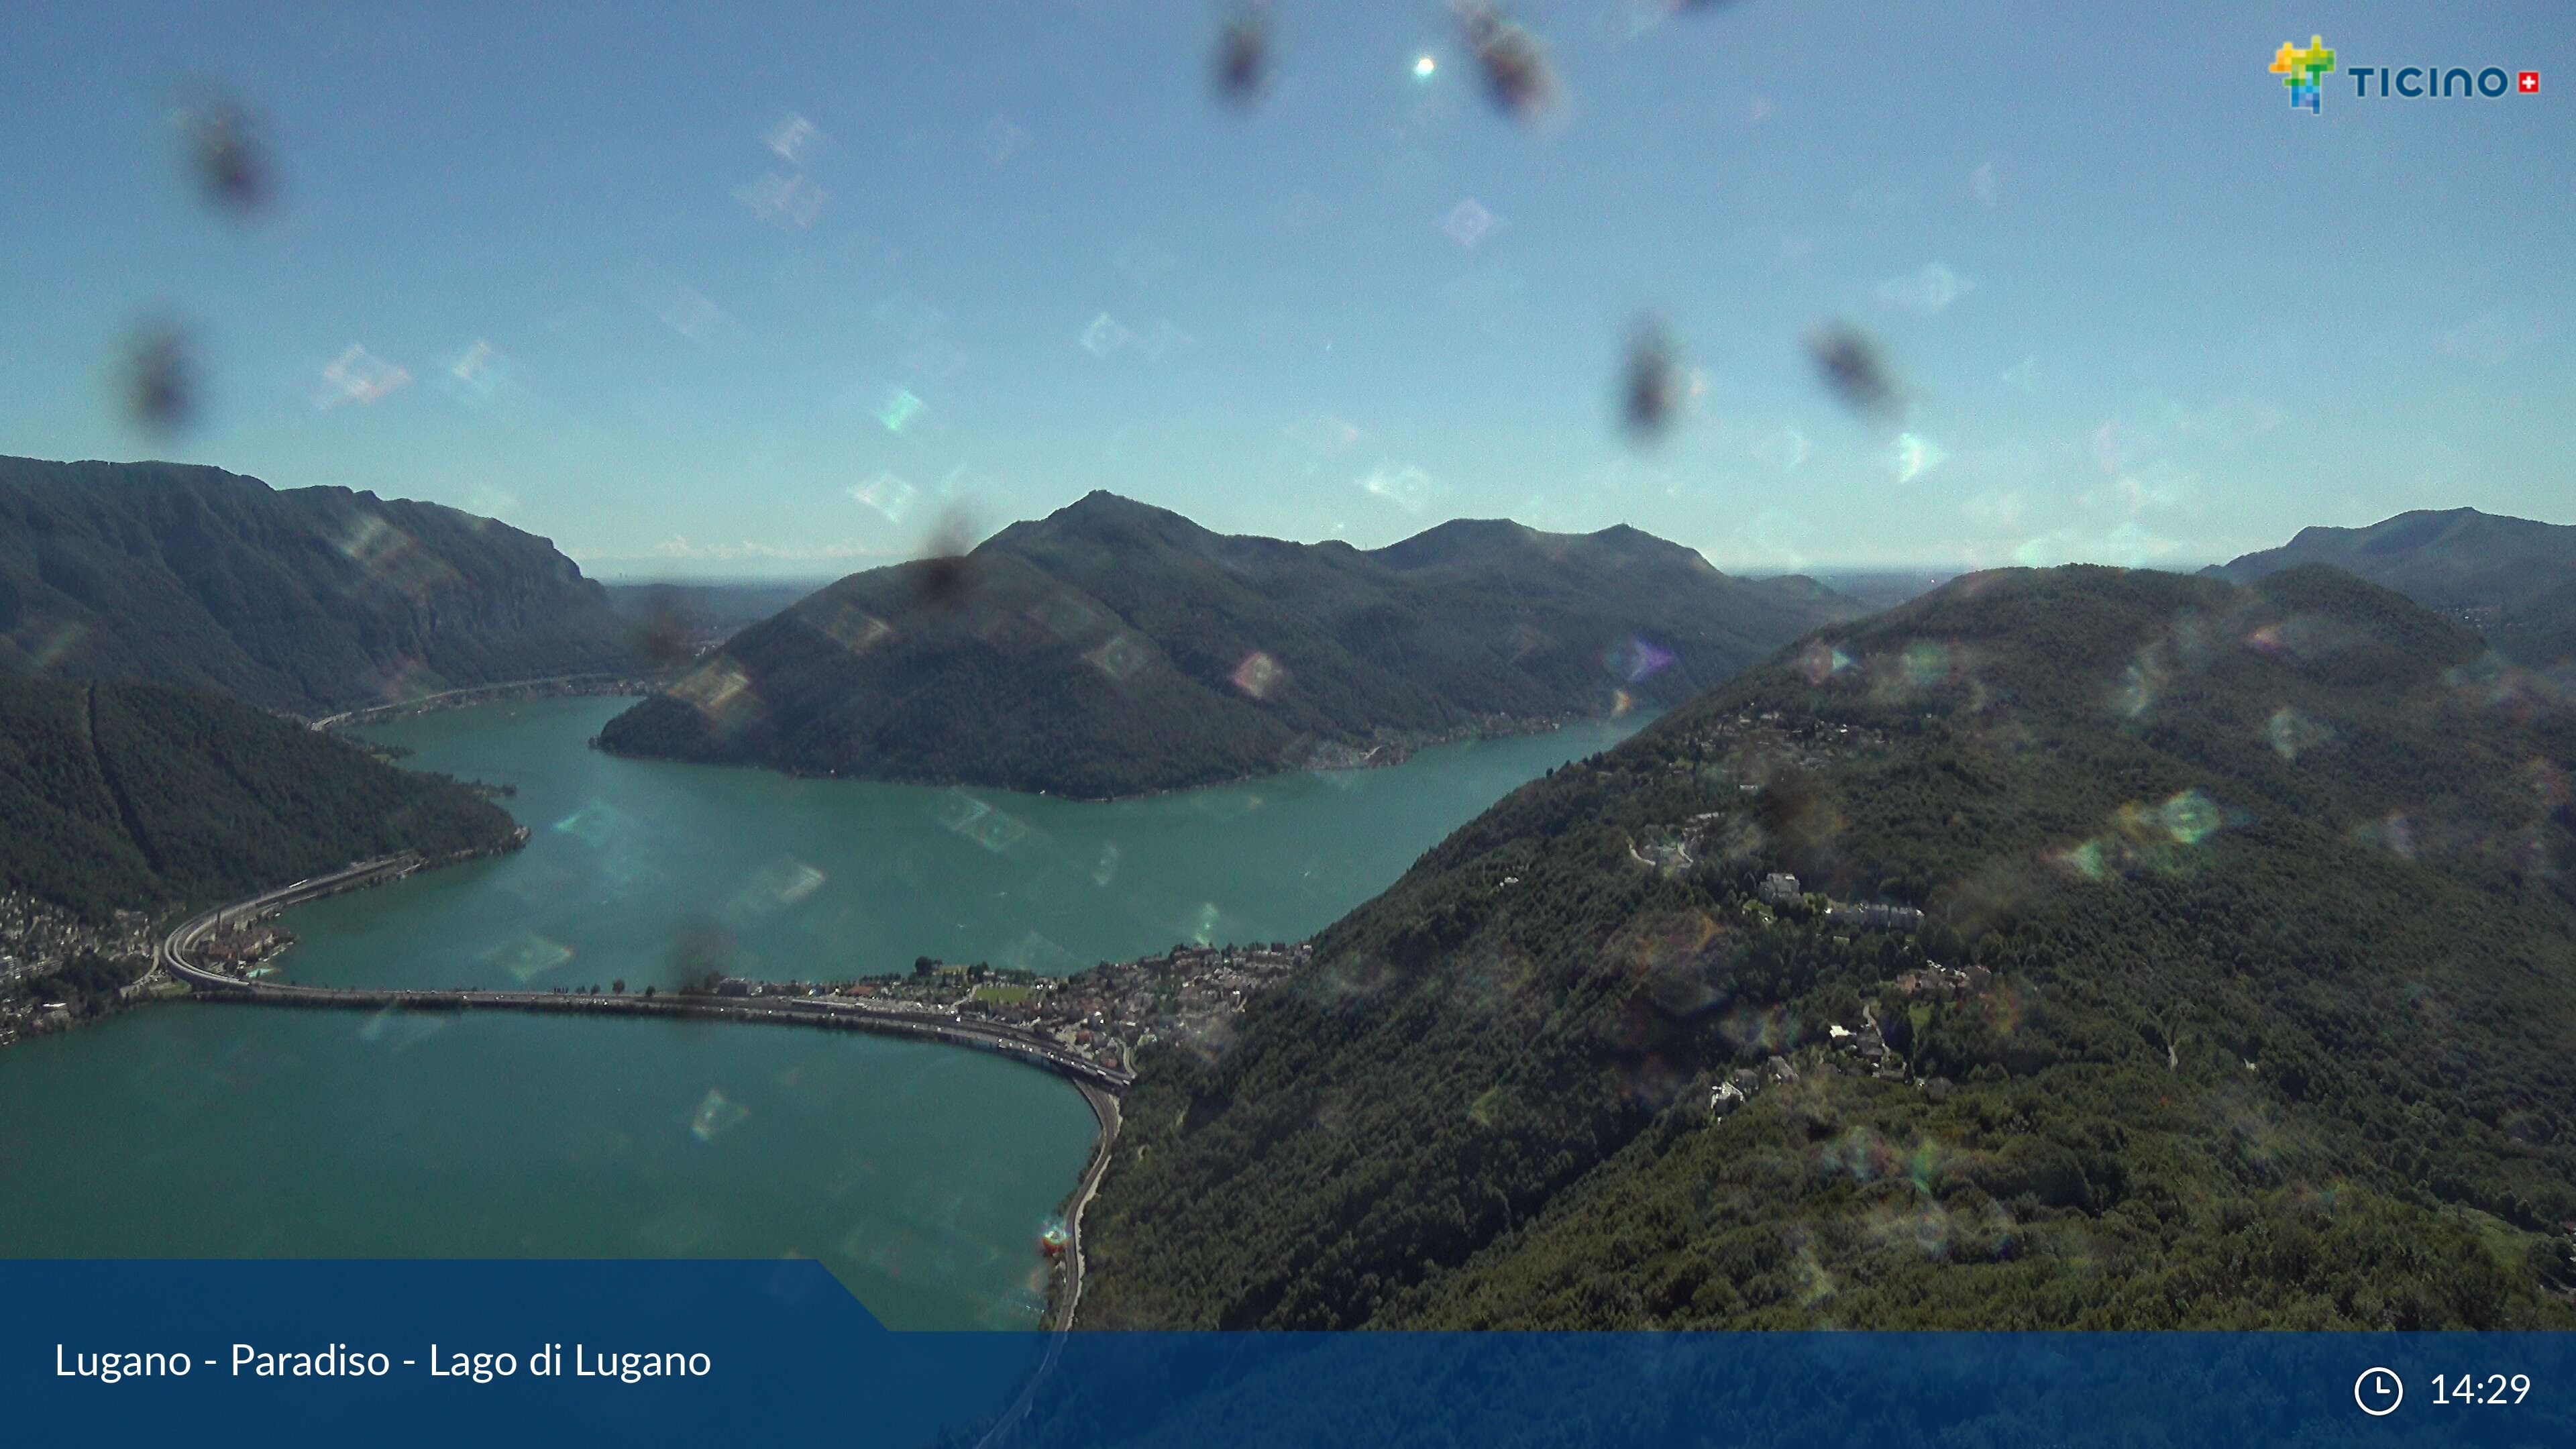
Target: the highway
pixel 1104 1105
pixel 823 1011
pixel 446 697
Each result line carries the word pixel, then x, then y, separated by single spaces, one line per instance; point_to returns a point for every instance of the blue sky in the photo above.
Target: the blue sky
pixel 659 279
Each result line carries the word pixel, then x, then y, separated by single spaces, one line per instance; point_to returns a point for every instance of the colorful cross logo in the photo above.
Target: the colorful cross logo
pixel 2303 70
pixel 2528 83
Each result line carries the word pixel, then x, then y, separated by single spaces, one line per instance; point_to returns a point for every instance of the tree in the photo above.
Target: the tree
pixel 618 986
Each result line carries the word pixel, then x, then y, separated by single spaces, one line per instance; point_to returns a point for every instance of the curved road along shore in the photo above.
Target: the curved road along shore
pixel 456 698
pixel 1098 1084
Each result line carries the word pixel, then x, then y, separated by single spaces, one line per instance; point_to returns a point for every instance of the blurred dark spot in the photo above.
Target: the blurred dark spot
pixel 1243 55
pixel 1517 75
pixel 160 379
pixel 947 575
pixel 700 957
pixel 1851 365
pixel 225 156
pixel 1650 389
pixel 666 632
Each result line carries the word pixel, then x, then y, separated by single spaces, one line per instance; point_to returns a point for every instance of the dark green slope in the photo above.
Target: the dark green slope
pixel 306 601
pixel 2541 629
pixel 1113 648
pixel 135 797
pixel 2274 886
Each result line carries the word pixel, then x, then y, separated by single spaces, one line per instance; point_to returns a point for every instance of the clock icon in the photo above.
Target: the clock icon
pixel 2378 1391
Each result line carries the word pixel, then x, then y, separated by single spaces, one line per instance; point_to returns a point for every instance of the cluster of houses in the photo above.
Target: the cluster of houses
pixel 1862 1049
pixel 241 947
pixel 1936 982
pixel 1743 1083
pixel 1755 747
pixel 1187 992
pixel 1103 1013
pixel 1781 889
pixel 38 939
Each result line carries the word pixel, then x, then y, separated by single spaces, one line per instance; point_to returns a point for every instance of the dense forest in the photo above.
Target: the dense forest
pixel 2257 902
pixel 137 797
pixel 1113 649
pixel 305 601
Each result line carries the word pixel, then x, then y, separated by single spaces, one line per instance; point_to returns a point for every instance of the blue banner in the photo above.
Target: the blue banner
pixel 745 1353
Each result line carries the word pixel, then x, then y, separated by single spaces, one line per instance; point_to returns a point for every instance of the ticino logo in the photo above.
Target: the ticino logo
pixel 2304 68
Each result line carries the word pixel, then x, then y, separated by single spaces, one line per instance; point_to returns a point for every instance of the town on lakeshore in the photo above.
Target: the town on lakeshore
pixel 1104 1014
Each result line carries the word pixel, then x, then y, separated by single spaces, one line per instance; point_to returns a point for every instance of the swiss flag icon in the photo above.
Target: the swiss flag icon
pixel 2528 83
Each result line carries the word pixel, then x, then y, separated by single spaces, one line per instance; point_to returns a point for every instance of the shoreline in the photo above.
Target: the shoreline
pixel 1378 757
pixel 154 983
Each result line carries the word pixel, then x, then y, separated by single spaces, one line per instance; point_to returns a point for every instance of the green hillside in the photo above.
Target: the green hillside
pixel 2271 1021
pixel 135 797
pixel 306 601
pixel 1113 649
pixel 2514 577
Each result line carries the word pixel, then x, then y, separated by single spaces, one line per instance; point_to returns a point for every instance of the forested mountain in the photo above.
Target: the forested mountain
pixel 308 600
pixel 136 797
pixel 2516 579
pixel 1114 648
pixel 2246 997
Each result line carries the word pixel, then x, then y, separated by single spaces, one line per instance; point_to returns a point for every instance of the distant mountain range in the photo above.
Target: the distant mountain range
pixel 1114 648
pixel 2246 998
pixel 304 601
pixel 2512 578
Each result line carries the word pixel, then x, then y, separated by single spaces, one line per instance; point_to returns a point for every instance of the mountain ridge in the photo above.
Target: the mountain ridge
pixel 299 600
pixel 2514 579
pixel 1113 647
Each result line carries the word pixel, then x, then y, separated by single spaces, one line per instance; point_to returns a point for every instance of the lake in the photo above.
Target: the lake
pixel 920 1174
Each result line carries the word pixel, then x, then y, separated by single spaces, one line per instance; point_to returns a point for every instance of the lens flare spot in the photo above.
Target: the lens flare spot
pixel 358 376
pixel 1119 657
pixel 2190 817
pixel 2292 733
pixel 898 409
pixel 1258 675
pixel 529 957
pixel 995 830
pixel 1927 663
pixel 887 494
pixel 1916 456
pixel 1632 659
pixel 717 1115
pixel 1821 661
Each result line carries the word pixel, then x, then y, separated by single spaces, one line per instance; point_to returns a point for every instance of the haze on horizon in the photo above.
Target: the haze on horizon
pixel 770 291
